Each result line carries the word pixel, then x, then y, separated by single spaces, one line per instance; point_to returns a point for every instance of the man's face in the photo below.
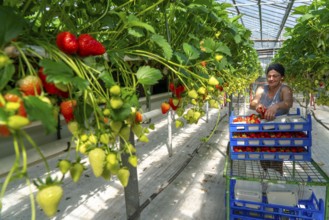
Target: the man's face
pixel 273 78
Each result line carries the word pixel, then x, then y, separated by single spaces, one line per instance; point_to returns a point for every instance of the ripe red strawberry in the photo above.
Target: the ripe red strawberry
pixel 51 87
pixel 4 131
pixel 67 42
pixel 165 107
pixel 174 102
pixel 88 46
pixel 30 85
pixel 138 117
pixel 67 109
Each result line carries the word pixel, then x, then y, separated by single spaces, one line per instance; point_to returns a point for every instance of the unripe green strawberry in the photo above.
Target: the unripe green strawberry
pixel 116 102
pixel 125 133
pixel 190 113
pixel 97 159
pixel 48 199
pixel 143 138
pixel 112 158
pixel 179 123
pixel 73 127
pixel 106 173
pixel 213 103
pixel 76 171
pixel 12 106
pixel 106 112
pixel 138 130
pixel 213 81
pixel 194 102
pixel 196 115
pixel 84 137
pixel 123 176
pixel 210 88
pixel 17 122
pixel 104 138
pixel 133 160
pixel 218 57
pixel 92 139
pixel 115 126
pixel 64 166
pixel 112 163
pixel 192 94
pixel 151 126
pixel 115 90
pixel 83 148
pixel 202 90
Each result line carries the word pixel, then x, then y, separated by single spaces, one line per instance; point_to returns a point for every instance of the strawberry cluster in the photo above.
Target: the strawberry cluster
pixel 269 149
pixel 84 45
pixel 294 134
pixel 250 119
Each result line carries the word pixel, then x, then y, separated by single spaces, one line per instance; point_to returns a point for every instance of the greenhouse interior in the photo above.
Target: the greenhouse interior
pixel 164 110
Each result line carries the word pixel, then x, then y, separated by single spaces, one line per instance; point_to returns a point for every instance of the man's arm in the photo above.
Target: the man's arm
pixel 256 101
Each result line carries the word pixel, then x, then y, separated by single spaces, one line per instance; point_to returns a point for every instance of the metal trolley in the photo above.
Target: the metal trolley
pixel 309 183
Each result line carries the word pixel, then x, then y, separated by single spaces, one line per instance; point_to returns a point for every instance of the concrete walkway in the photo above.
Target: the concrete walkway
pixel 189 185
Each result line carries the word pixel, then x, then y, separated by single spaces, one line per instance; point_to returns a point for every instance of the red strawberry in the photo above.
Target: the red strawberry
pixel 179 90
pixel 15 98
pixel 67 109
pixel 172 87
pixel 30 85
pixel 88 46
pixel 165 107
pixel 67 42
pixel 4 131
pixel 51 87
pixel 138 117
pixel 174 102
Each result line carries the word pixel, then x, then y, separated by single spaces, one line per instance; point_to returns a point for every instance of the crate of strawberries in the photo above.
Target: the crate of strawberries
pixel 288 137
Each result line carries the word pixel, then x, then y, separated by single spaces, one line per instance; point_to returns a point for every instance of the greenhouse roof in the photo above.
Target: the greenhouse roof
pixel 267 20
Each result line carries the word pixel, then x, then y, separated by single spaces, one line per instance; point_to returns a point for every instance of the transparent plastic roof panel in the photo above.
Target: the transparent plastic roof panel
pixel 267 20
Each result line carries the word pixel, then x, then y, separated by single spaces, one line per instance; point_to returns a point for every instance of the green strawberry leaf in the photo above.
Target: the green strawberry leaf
pixel 6 73
pixel 11 26
pixel 59 72
pixel 163 43
pixel 40 110
pixel 191 52
pixel 129 96
pixel 133 21
pixel 122 113
pixel 136 32
pixel 181 58
pixel 107 78
pixel 148 76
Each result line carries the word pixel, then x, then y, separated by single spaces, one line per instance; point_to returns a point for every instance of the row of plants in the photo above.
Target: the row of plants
pixel 305 52
pixel 90 62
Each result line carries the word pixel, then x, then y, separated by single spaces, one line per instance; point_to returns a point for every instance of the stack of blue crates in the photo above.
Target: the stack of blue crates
pixel 288 140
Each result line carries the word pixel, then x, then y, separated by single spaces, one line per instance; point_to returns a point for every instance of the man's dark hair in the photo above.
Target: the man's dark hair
pixel 277 67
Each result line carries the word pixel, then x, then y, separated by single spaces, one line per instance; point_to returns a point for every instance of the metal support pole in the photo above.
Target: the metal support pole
pixel 169 141
pixel 131 190
pixel 207 112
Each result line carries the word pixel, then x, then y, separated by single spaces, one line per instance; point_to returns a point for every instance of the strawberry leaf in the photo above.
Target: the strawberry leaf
pixel 6 73
pixel 191 52
pixel 40 110
pixel 163 43
pixel 59 72
pixel 148 76
pixel 107 78
pixel 122 113
pixel 3 115
pixel 11 24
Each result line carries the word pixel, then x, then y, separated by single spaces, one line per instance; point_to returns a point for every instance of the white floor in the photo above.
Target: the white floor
pixel 189 185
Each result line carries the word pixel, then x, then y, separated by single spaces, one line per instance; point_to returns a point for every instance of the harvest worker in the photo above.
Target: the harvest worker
pixel 275 98
pixel 272 100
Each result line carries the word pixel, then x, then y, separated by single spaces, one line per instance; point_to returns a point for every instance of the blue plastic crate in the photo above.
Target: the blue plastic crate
pixel 271 141
pixel 304 125
pixel 310 209
pixel 306 155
